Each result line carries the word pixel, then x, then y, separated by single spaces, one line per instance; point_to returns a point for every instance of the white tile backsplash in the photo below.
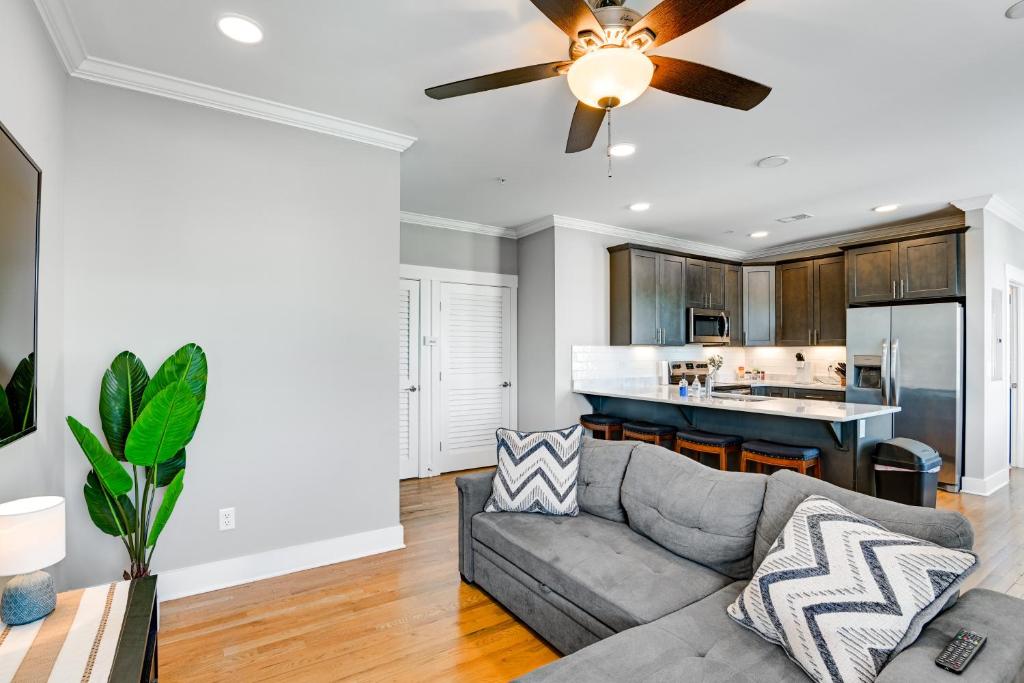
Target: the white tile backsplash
pixel 641 362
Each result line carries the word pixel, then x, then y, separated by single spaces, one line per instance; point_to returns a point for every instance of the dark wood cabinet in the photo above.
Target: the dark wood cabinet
pixel 929 267
pixel 829 301
pixel 758 306
pixel 733 303
pixel 811 303
pixel 914 269
pixel 794 305
pixel 705 284
pixel 647 295
pixel 671 295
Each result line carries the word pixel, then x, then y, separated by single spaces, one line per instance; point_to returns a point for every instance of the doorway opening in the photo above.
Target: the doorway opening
pixel 1015 349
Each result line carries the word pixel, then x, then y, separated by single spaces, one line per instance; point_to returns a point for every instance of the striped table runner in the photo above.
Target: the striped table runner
pixel 77 642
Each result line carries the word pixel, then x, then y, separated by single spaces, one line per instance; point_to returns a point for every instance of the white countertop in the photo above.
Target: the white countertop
pixel 827 411
pixel 789 384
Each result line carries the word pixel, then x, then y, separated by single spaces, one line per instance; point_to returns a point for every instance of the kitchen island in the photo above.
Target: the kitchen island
pixel 846 433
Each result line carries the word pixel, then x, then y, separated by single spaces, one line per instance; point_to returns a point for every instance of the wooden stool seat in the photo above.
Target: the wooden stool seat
pixel 766 453
pixel 604 427
pixel 648 432
pixel 690 441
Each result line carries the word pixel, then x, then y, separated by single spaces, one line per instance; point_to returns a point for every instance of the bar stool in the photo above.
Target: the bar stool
pixel 691 441
pixel 799 458
pixel 608 426
pixel 648 432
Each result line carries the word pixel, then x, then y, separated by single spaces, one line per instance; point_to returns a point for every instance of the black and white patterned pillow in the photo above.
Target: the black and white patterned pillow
pixel 537 472
pixel 842 595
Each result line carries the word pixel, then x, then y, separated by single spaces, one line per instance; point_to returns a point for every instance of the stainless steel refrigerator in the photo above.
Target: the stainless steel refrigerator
pixel 913 357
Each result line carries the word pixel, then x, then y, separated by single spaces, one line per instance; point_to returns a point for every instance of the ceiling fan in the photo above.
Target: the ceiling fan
pixel 609 67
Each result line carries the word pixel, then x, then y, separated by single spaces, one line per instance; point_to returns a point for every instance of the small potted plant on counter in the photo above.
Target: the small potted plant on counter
pixel 800 361
pixel 715 364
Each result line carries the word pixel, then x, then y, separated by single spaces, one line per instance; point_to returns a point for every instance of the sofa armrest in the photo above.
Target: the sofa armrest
pixel 995 615
pixel 474 490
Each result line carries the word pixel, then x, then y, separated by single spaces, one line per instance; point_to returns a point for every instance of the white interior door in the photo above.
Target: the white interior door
pixel 1016 353
pixel 474 382
pixel 409 378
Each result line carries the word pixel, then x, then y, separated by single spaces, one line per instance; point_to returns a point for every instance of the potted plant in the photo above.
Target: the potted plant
pixel 800 361
pixel 147 423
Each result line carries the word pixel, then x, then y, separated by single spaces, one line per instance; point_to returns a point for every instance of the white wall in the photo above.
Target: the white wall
pixel 275 249
pixel 536 333
pixel 992 243
pixel 32 109
pixel 442 248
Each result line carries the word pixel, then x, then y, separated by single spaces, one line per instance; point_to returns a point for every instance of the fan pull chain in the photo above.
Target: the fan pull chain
pixel 609 149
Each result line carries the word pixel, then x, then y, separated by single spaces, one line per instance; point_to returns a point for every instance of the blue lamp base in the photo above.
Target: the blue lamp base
pixel 28 598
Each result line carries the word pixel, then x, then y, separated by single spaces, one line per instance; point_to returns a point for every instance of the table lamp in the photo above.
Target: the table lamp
pixel 31 538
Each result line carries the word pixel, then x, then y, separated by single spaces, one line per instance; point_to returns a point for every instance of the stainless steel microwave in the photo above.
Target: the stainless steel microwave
pixel 708 326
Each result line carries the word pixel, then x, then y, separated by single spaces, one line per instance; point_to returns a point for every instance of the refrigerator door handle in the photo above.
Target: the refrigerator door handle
pixel 884 372
pixel 896 372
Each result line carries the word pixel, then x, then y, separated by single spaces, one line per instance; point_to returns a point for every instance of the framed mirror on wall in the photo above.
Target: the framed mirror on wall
pixel 20 187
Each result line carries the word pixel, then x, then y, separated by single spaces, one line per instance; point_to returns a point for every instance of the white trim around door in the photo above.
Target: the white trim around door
pixel 431 280
pixel 1015 364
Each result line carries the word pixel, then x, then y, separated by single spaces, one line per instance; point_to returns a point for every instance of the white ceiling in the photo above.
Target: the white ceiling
pixel 915 101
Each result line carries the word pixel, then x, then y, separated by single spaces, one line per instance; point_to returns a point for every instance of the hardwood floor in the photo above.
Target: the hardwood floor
pixel 406 615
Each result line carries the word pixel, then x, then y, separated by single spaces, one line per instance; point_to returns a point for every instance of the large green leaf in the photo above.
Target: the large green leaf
pixel 166 508
pixel 121 399
pixel 110 472
pixel 167 471
pixel 6 421
pixel 165 425
pixel 21 393
pixel 104 513
pixel 188 365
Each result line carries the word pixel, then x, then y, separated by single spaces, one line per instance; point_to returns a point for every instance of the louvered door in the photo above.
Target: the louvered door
pixel 475 373
pixel 408 378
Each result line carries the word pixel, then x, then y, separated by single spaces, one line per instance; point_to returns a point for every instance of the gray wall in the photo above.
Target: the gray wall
pixel 275 249
pixel 441 248
pixel 32 108
pixel 536 338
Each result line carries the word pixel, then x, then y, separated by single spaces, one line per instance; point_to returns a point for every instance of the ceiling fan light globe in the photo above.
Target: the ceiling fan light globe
pixel 610 77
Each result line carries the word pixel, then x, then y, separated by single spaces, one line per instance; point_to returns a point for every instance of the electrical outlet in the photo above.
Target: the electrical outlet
pixel 227 519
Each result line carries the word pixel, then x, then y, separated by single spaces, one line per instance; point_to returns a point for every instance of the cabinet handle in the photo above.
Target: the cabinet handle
pixel 808 337
pixel 901 289
pixel 893 289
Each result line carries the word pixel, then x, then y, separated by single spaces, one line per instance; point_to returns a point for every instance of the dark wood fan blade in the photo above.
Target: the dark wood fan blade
pixel 586 124
pixel 700 82
pixel 673 18
pixel 502 79
pixel 572 16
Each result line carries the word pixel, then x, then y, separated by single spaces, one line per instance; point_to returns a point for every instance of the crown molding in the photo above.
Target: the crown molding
pixel 888 232
pixel 162 85
pixel 648 238
pixel 453 224
pixel 66 39
pixel 995 204
pixel 61 27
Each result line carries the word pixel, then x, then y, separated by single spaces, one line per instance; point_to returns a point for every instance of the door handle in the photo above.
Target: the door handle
pixel 506 385
pixel 884 372
pixel 896 372
pixel 412 390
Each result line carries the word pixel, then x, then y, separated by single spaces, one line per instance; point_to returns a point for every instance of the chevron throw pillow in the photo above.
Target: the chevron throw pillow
pixel 537 472
pixel 842 595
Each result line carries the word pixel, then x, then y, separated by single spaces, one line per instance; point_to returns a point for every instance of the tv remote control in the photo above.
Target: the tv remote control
pixel 958 654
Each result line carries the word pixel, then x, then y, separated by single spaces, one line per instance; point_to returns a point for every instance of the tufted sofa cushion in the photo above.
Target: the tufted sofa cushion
pixel 697 512
pixel 602 466
pixel 698 643
pixel 617 575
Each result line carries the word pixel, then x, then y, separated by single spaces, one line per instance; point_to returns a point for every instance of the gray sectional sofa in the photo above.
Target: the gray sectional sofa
pixel 635 588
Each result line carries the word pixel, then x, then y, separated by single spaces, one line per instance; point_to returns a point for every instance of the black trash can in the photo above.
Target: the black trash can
pixel 907 471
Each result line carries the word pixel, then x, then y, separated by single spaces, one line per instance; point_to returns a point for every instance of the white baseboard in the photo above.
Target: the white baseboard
pixel 986 486
pixel 203 578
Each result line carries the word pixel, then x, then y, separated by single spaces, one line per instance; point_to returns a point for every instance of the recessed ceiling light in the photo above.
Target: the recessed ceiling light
pixel 622 149
pixel 886 208
pixel 1016 11
pixel 759 235
pixel 775 161
pixel 640 206
pixel 241 29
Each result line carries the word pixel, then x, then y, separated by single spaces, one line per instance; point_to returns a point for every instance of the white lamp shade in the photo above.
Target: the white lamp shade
pixel 619 74
pixel 31 534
